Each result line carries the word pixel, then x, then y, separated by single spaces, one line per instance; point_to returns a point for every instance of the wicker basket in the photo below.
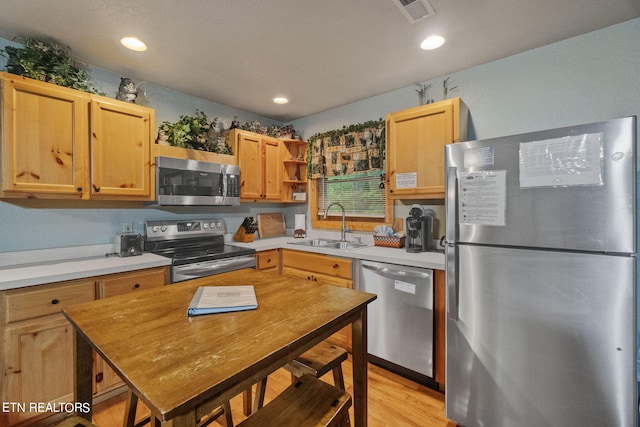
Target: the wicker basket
pixel 389 241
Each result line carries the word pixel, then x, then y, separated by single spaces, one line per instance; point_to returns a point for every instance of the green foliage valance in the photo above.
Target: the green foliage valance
pixel 351 150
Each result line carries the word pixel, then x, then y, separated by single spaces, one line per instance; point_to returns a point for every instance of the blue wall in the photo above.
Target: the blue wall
pixel 35 224
pixel 588 78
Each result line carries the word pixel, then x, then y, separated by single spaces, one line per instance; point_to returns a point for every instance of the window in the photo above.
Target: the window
pixel 360 195
pixel 347 167
pixel 363 199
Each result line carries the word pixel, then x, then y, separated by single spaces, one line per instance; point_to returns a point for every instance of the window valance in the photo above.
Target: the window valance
pixel 351 150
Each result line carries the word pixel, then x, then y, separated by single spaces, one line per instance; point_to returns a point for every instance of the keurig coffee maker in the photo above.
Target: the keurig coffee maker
pixel 419 230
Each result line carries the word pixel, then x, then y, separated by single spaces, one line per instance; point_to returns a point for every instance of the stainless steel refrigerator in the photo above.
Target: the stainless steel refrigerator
pixel 541 278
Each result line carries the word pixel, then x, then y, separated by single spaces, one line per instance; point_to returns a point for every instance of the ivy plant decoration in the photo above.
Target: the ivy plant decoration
pixel 317 153
pixel 49 62
pixel 195 132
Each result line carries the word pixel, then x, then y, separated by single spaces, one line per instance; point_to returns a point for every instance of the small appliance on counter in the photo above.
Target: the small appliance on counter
pixel 128 244
pixel 246 230
pixel 419 230
pixel 299 227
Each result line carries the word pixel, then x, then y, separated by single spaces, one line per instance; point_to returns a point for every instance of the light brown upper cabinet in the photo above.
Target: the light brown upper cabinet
pixel 62 143
pixel 260 167
pixel 271 169
pixel 415 147
pixel 120 150
pixel 294 161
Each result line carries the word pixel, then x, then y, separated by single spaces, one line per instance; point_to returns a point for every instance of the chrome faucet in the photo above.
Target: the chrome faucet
pixel 343 229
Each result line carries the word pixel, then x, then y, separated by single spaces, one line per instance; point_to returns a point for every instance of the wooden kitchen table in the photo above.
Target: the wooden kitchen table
pixel 183 367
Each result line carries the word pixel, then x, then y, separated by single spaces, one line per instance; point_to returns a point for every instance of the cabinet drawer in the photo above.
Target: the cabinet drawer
pixel 317 277
pixel 129 282
pixel 318 263
pixel 268 260
pixel 21 304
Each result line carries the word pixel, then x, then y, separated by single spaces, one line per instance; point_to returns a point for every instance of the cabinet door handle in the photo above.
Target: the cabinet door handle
pixel 55 301
pixel 96 189
pixel 79 189
pixel 136 286
pixel 99 377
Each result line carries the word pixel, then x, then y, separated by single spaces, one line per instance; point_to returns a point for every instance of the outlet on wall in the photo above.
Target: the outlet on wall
pixel 127 227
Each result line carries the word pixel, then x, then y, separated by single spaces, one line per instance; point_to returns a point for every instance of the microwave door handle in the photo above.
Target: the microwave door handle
pixel 225 183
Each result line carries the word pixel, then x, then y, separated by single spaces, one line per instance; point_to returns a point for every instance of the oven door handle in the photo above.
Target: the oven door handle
pixel 212 267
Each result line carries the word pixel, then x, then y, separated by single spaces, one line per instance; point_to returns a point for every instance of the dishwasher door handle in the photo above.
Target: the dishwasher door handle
pixel 397 274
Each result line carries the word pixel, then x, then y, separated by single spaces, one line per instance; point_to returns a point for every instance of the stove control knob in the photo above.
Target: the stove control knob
pixel 219 225
pixel 163 228
pixel 154 228
pixel 205 225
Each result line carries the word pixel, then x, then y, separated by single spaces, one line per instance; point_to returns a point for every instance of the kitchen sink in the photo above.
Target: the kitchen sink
pixel 330 244
pixel 316 242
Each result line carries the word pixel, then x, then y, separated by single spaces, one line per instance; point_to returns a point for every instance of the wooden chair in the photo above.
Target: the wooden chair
pixel 317 361
pixel 132 404
pixel 308 402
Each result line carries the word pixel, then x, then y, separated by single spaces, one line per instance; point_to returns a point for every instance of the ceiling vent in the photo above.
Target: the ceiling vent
pixel 415 10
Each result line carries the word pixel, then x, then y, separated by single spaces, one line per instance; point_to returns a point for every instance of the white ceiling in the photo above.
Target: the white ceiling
pixel 320 54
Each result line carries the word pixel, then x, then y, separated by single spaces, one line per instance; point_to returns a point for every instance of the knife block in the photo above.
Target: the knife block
pixel 242 236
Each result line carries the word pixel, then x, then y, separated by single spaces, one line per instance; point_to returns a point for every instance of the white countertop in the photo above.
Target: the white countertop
pixel 28 268
pixel 36 267
pixel 432 260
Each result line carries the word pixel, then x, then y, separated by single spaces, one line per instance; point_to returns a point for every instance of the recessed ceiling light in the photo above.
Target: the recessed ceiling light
pixel 432 42
pixel 133 43
pixel 280 100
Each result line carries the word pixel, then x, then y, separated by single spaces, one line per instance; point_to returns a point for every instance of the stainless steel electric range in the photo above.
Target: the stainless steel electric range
pixel 196 248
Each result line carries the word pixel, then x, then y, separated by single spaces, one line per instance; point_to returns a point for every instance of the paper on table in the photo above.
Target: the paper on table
pixel 221 299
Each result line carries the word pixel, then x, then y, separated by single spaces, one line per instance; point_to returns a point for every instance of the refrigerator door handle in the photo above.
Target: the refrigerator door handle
pixel 451 251
pixel 452 205
pixel 452 281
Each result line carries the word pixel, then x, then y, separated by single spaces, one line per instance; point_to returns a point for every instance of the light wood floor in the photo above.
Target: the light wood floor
pixel 393 401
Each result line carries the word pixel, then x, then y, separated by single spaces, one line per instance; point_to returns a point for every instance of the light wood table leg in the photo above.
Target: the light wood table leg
pixel 360 362
pixel 83 371
pixel 186 420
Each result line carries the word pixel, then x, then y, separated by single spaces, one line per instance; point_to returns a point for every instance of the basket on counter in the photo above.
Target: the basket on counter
pixel 389 241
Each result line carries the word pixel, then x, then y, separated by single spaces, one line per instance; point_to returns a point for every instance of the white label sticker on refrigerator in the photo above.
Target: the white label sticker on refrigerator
pixel 409 288
pixel 562 162
pixel 482 197
pixel 407 180
pixel 478 157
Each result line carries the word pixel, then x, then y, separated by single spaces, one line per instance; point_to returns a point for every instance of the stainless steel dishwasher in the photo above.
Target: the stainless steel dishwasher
pixel 400 320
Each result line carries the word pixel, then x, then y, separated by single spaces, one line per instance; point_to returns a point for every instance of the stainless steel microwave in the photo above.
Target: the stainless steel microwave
pixel 181 182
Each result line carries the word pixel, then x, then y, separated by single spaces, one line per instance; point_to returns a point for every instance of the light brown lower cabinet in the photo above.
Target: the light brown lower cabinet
pixel 36 350
pixel 104 378
pixel 268 260
pixel 321 268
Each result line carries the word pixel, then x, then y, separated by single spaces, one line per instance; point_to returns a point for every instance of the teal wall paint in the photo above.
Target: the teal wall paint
pixel 588 78
pixel 592 77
